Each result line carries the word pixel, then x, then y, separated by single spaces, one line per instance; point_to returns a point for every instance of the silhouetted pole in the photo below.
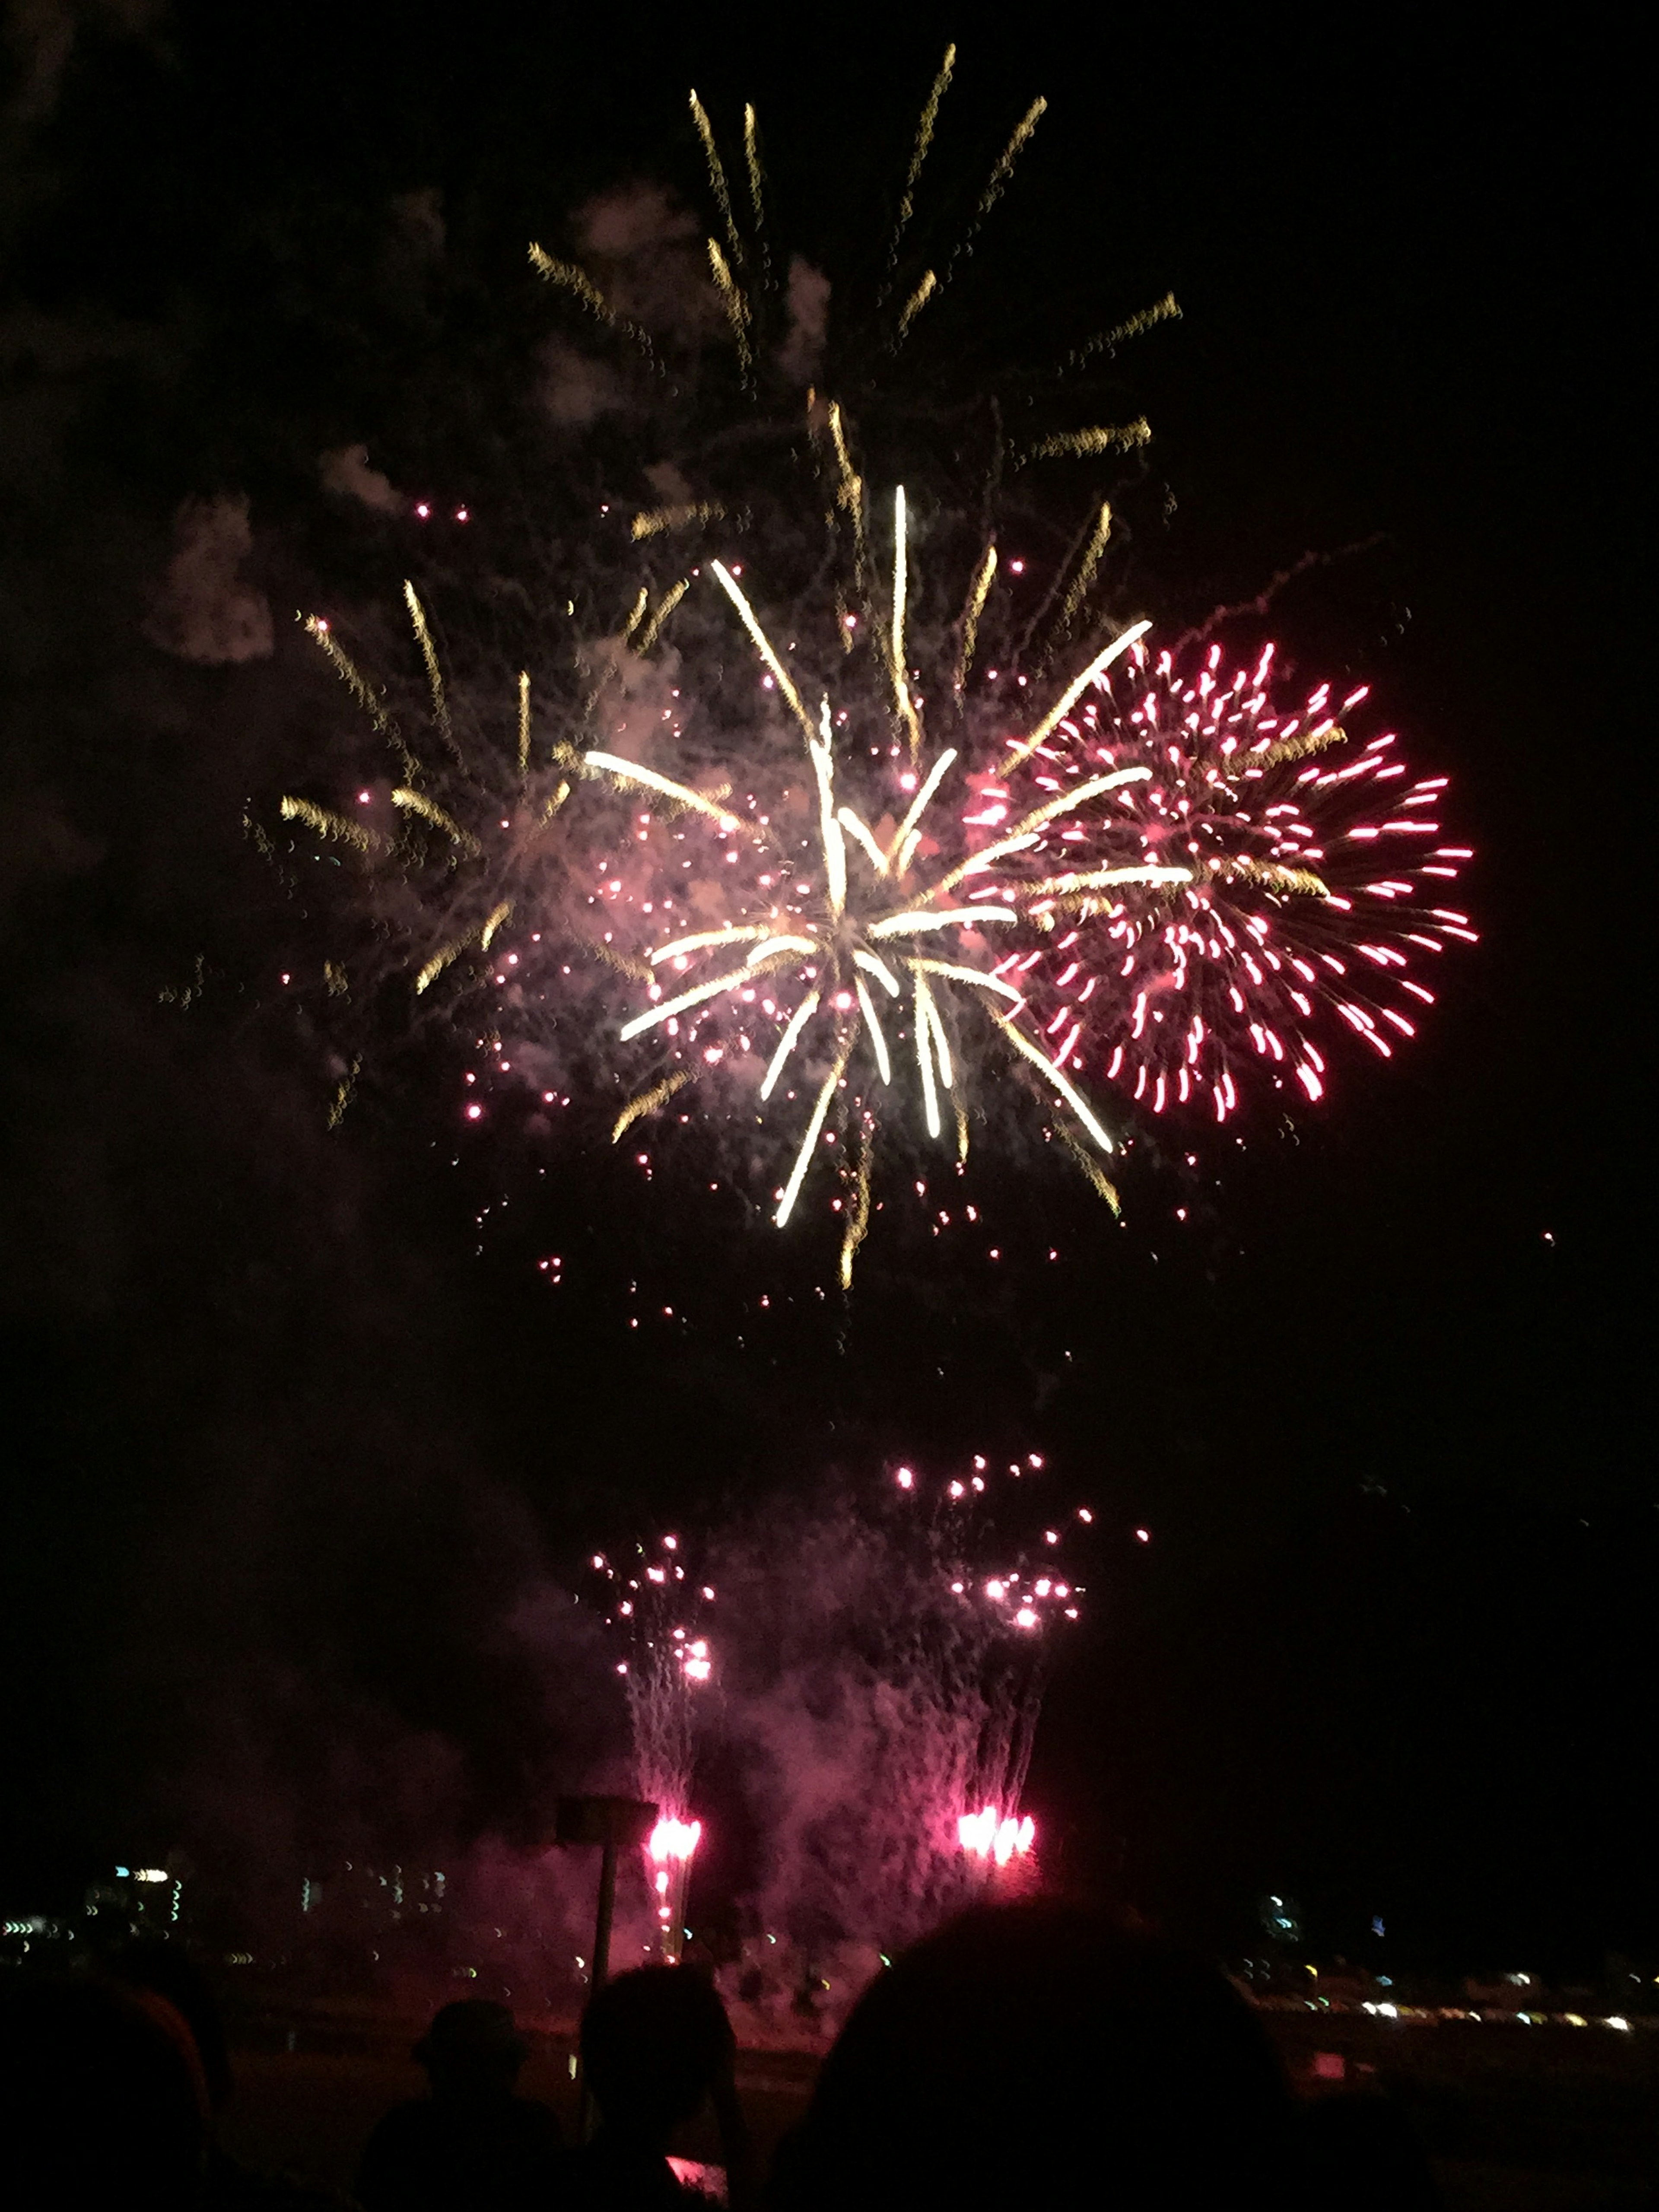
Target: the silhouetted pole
pixel 607 1912
pixel 612 1823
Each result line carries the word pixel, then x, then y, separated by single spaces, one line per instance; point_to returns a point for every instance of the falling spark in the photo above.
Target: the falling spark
pixel 971 613
pixel 429 654
pixel 648 1101
pixel 571 279
pixel 1104 439
pixel 1087 568
pixel 716 175
pixel 924 140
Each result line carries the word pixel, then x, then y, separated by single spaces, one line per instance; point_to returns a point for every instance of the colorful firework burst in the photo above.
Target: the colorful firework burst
pixel 802 948
pixel 1312 896
pixel 1160 885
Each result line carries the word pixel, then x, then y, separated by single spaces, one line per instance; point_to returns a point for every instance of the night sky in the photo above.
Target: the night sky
pixel 289 1439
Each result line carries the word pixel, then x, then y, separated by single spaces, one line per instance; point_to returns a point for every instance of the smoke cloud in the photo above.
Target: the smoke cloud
pixel 206 610
pixel 348 473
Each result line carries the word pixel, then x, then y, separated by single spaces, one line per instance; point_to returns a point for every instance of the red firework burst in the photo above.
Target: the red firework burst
pixel 1314 904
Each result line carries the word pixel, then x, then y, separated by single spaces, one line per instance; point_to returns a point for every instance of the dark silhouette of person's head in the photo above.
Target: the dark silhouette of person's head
pixel 654 2042
pixel 472 2049
pixel 165 1971
pixel 1024 2049
pixel 102 2100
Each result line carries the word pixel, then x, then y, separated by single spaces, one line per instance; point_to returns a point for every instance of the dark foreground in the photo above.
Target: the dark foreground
pixel 1519 2120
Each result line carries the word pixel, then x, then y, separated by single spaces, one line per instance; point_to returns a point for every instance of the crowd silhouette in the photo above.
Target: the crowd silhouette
pixel 1033 2054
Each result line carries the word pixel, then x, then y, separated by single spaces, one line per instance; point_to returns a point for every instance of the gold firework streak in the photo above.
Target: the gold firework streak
pixel 1161 311
pixel 873 965
pixel 1074 690
pixel 1067 1089
pixel 959 917
pixel 1010 153
pixel 998 180
pixel 356 682
pixel 1273 875
pixel 523 722
pixel 1309 741
pixel 717 174
pixel 429 975
pixel 676 518
pixel 429 654
pixel 665 606
pixel 571 279
pixel 648 1101
pixel 1024 830
pixel 835 845
pixel 787 1041
pixel 342 1097
pixel 737 308
pixel 694 997
pixel 327 823
pixel 861 831
pixel 763 644
pixel 739 933
pixel 361 691
pixel 752 163
pixel 850 494
pixel 803 1158
pixel 769 945
pixel 917 300
pixel 1085 574
pixel 1104 438
pixel 415 802
pixel 441 959
pixel 953 974
pixel 627 771
pixel 1098 879
pixel 857 1220
pixel 1094 1173
pixel 935 1021
pixel 924 140
pixel 895 643
pixel 922 1025
pixel 878 1041
pixel 971 613
pixel 920 803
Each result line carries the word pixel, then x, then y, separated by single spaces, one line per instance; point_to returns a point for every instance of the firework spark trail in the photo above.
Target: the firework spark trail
pixel 659 1608
pixel 1313 886
pixel 756 188
pixel 429 654
pixel 717 175
pixel 924 128
pixel 1084 577
pixel 971 613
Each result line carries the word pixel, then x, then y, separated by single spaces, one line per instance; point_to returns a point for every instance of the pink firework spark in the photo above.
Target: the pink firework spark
pixel 1317 903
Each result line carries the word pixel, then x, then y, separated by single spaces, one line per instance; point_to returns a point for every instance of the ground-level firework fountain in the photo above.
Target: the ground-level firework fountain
pixel 994 1839
pixel 669 1849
